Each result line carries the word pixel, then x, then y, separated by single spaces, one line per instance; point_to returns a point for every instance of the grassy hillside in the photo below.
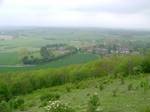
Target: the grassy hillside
pixel 115 96
pixel 120 83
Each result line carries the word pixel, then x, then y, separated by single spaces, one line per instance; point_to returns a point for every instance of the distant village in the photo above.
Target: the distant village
pixel 52 52
pixel 95 49
pixel 6 37
pixel 105 50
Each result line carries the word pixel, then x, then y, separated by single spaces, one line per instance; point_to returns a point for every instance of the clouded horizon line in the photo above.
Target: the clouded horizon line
pixel 72 27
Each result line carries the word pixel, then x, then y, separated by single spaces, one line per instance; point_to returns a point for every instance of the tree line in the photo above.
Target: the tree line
pixel 46 55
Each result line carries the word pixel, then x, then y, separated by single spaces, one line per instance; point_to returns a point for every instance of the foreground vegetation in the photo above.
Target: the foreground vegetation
pixel 105 94
pixel 13 85
pixel 97 95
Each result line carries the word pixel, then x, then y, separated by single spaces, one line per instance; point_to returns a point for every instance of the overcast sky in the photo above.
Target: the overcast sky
pixel 76 13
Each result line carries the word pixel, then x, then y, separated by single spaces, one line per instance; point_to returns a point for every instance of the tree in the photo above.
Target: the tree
pixel 44 53
pixel 25 60
pixel 23 52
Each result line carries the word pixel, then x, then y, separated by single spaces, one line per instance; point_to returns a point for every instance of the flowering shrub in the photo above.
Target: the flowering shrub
pixel 58 106
pixel 50 97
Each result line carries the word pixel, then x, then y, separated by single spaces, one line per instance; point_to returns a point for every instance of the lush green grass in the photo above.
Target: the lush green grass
pixel 9 58
pixel 78 58
pixel 134 100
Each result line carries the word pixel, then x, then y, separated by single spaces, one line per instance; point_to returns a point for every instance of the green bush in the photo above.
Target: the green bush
pixel 18 102
pixel 50 97
pixel 130 87
pixel 145 84
pixel 68 88
pixel 137 70
pixel 114 92
pixel 94 104
pixel 122 81
pixel 101 87
pixel 4 107
pixel 4 91
pixel 129 64
pixel 146 64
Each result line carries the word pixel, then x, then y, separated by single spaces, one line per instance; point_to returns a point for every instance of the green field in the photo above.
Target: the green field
pixel 78 58
pixel 10 58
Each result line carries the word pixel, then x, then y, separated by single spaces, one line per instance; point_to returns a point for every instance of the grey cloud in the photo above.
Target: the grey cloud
pixel 123 6
pixel 136 13
pixel 1 2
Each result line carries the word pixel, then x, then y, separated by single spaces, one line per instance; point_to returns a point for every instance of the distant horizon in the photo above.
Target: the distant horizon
pixel 74 27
